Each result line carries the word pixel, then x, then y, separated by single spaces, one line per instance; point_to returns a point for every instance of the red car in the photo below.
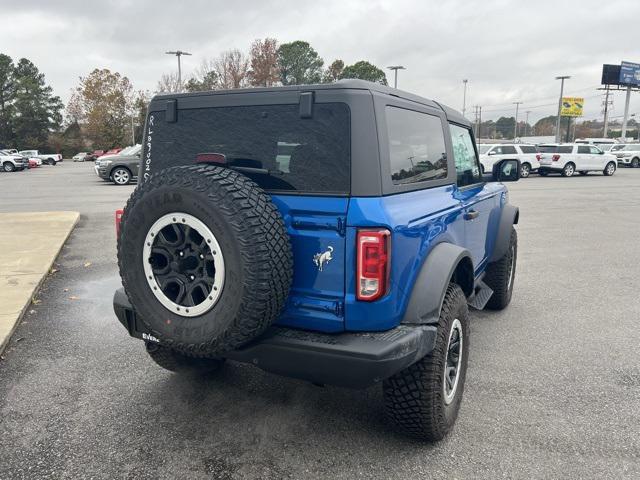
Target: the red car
pixel 33 163
pixel 113 151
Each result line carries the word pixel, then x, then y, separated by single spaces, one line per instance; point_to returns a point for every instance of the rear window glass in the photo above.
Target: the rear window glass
pixel 508 150
pixel 555 148
pixel 482 149
pixel 285 152
pixel 416 146
pixel 528 149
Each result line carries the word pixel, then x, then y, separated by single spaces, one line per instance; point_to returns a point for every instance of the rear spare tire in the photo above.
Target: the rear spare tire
pixel 205 258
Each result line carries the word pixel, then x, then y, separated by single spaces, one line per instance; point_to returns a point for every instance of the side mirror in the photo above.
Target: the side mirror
pixel 492 152
pixel 506 171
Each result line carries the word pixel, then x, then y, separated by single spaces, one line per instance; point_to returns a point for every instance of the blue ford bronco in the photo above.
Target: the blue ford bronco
pixel 331 233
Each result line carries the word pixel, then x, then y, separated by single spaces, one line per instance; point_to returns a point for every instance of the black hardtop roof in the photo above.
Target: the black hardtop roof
pixel 347 84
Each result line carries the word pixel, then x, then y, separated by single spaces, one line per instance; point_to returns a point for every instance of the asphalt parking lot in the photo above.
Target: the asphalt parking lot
pixel 553 387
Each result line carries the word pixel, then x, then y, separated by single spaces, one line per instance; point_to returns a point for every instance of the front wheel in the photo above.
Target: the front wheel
pixel 177 362
pixel 501 275
pixel 424 398
pixel 610 169
pixel 635 163
pixel 121 176
pixel 8 167
pixel 525 170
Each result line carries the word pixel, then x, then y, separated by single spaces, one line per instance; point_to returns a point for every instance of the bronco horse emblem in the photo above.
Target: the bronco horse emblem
pixel 320 259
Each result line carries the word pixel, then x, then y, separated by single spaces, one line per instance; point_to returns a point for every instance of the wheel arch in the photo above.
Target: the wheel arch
pixel 445 263
pixel 509 217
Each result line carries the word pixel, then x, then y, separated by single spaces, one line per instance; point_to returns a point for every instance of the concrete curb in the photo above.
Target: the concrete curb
pixel 25 264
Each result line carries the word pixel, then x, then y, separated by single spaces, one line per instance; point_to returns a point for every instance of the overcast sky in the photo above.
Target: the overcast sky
pixel 508 50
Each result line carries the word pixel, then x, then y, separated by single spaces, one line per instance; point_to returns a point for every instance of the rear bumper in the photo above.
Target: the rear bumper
pixel 355 360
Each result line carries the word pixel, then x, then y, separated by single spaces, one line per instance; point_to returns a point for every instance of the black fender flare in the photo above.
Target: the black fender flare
pixel 509 217
pixel 431 283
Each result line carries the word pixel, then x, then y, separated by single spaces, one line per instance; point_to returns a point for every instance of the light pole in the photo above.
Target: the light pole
pixel 178 53
pixel 526 123
pixel 395 69
pixel 562 78
pixel 515 128
pixel 464 97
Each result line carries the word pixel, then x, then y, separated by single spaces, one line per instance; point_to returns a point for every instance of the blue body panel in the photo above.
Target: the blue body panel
pixel 314 224
pixel 326 300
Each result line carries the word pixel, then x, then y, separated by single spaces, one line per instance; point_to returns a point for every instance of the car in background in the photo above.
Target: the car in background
pixel 122 168
pixel 491 154
pixel 34 163
pixel 47 158
pixel 80 157
pixel 567 159
pixel 627 154
pixel 10 162
pixel 93 156
pixel 113 151
pixel 605 144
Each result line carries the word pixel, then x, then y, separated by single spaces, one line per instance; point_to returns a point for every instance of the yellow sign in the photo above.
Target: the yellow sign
pixel 572 106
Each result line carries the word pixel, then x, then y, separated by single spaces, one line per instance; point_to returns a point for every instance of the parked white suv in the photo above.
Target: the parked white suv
pixel 627 154
pixel 568 159
pixel 490 154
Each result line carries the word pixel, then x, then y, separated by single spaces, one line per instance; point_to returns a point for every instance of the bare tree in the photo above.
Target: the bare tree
pixel 264 63
pixel 232 67
pixel 204 78
pixel 168 83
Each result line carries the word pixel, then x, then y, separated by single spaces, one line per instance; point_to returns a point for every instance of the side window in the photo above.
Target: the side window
pixel 509 150
pixel 528 149
pixel 416 146
pixel 496 150
pixel 464 154
pixel 584 149
pixel 595 150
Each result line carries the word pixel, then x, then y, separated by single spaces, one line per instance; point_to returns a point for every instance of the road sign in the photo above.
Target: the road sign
pixel 572 106
pixel 630 74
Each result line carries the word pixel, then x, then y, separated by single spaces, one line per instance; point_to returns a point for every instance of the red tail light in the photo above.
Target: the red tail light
pixel 555 158
pixel 118 221
pixel 373 264
pixel 211 158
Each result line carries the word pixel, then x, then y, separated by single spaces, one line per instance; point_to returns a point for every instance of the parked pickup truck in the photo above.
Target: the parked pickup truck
pixel 10 162
pixel 47 158
pixel 567 159
pixel 491 154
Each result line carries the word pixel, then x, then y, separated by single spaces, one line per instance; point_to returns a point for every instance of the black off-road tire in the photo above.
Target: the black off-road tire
pixel 415 397
pixel 500 275
pixel 179 363
pixel 253 241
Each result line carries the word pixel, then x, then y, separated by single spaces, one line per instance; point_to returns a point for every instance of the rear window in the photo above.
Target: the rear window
pixel 416 146
pixel 528 149
pixel 555 148
pixel 285 152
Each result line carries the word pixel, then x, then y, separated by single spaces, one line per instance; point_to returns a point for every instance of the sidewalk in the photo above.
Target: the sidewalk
pixel 29 243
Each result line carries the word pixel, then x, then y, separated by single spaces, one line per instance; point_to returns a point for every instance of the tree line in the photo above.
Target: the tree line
pixel 105 110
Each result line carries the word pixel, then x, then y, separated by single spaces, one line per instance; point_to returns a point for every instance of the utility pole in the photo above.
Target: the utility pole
pixel 178 53
pixel 476 122
pixel 515 127
pixel 526 122
pixel 623 135
pixel 479 121
pixel 464 97
pixel 562 79
pixel 606 111
pixel 133 132
pixel 395 69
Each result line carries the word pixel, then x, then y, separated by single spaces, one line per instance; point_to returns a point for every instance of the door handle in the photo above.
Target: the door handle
pixel 471 214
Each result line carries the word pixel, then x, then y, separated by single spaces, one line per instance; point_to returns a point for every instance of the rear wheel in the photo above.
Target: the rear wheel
pixel 525 170
pixel 177 362
pixel 635 163
pixel 424 398
pixel 8 167
pixel 610 169
pixel 501 275
pixel 121 176
pixel 568 170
